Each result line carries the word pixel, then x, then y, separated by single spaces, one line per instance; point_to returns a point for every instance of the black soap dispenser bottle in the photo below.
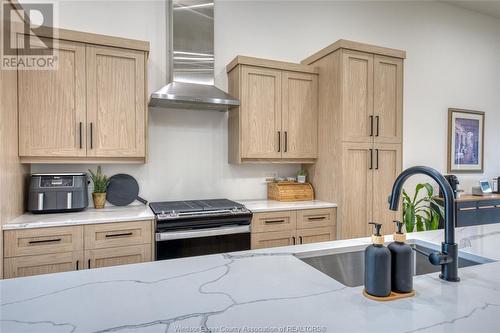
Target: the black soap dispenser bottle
pixel 377 266
pixel 402 262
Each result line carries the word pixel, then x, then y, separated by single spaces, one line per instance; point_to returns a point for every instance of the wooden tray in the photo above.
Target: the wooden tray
pixel 392 297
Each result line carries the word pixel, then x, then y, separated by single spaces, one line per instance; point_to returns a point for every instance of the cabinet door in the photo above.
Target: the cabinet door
pixel 388 99
pixel 300 115
pixel 387 167
pixel 315 235
pixel 357 202
pixel 43 264
pixel 273 239
pixel 116 108
pixel 118 256
pixel 52 113
pixel 357 115
pixel 261 135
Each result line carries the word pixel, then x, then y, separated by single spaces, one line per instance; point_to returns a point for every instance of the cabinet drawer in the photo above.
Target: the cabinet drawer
pixel 273 239
pixel 42 241
pixel 274 221
pixel 315 235
pixel 316 218
pixel 43 264
pixel 118 256
pixel 100 236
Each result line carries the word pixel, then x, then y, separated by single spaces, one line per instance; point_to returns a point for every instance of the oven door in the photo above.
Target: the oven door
pixel 197 242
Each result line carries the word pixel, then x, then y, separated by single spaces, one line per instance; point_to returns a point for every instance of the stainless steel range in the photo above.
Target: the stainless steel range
pixel 200 227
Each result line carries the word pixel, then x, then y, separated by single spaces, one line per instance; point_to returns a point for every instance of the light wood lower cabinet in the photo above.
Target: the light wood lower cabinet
pixel 315 235
pixel 43 264
pixel 118 256
pixel 273 239
pixel 61 249
pixel 284 228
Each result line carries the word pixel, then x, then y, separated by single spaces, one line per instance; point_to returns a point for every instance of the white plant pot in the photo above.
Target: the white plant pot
pixel 301 179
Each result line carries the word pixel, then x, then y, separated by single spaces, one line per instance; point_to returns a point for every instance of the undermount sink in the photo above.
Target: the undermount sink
pixel 347 264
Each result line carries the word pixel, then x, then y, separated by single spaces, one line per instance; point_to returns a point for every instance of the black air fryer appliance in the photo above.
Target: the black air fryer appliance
pixel 57 193
pixel 453 180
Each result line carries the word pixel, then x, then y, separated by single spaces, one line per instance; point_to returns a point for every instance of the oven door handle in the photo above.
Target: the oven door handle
pixel 185 234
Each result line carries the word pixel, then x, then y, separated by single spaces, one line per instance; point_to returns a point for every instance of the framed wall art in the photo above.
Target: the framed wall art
pixel 465 141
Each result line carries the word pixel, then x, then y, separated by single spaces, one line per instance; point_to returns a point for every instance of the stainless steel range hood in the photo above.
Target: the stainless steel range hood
pixel 191 48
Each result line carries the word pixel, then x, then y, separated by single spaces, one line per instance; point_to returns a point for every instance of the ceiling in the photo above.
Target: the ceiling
pixel 491 7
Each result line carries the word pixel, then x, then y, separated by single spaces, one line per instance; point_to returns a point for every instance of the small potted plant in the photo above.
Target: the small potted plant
pixel 422 211
pixel 301 176
pixel 101 183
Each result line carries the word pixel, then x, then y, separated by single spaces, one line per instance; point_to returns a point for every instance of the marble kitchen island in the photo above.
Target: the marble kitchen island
pixel 267 290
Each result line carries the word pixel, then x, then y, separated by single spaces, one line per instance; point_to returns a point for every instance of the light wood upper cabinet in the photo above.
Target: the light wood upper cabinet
pixel 277 119
pixel 388 99
pixel 388 163
pixel 261 123
pixel 357 117
pixel 52 114
pixel 91 108
pixel 300 119
pixel 115 102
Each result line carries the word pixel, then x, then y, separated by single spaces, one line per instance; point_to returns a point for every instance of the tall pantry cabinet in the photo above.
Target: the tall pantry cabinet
pixel 359 133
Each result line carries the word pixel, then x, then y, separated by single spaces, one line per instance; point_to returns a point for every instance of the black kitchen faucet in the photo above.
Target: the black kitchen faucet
pixel 448 257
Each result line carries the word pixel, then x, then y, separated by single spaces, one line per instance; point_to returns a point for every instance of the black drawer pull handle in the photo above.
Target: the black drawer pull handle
pixel 378 125
pixel 317 218
pixel 274 221
pixel 300 239
pixel 279 141
pixel 119 235
pixel 371 125
pixel 293 240
pixel 77 264
pixel 81 135
pixel 286 141
pixel 45 241
pixel 89 263
pixel 91 135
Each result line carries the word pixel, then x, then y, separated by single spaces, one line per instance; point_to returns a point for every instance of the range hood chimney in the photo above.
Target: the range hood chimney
pixel 191 48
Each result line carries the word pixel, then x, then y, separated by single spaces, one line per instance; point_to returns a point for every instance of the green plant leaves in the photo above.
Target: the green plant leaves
pixel 421 213
pixel 100 181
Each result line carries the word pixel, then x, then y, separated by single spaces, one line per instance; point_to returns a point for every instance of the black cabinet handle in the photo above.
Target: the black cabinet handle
pixel 89 263
pixel 81 135
pixel 293 240
pixel 378 125
pixel 45 241
pixel 91 135
pixel 376 150
pixel 317 218
pixel 274 221
pixel 371 125
pixel 77 264
pixel 300 239
pixel 371 159
pixel 119 235
pixel 286 141
pixel 279 141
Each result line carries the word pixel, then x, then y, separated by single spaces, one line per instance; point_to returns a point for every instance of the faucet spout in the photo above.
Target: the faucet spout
pixel 449 249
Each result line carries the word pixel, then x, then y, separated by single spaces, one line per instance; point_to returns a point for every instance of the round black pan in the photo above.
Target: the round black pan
pixel 122 190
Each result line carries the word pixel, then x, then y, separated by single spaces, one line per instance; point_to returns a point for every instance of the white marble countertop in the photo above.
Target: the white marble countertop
pixel 259 206
pixel 262 291
pixel 88 216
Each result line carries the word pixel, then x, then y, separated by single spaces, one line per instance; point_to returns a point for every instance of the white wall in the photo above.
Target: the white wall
pixel 452 62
